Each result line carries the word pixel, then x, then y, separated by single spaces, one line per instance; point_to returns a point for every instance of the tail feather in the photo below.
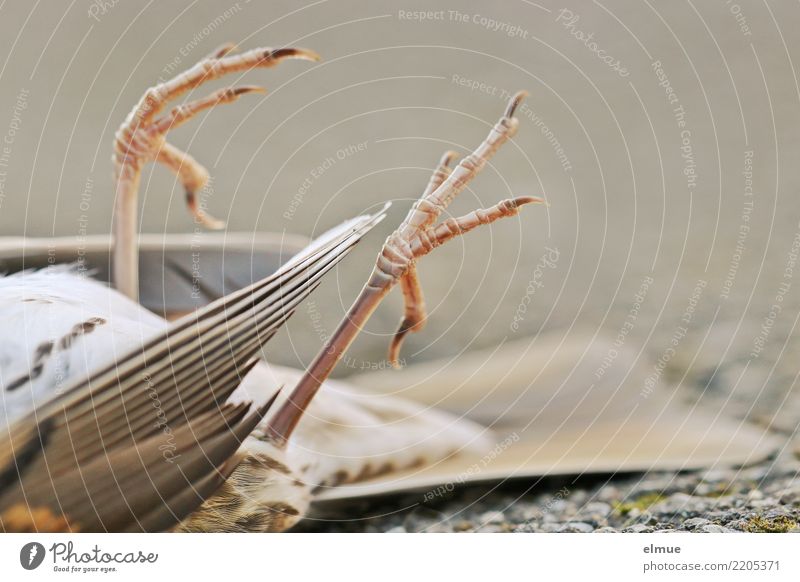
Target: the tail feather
pixel 141 442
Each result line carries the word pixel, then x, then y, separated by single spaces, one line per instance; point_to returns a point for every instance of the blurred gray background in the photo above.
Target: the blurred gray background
pixel 708 210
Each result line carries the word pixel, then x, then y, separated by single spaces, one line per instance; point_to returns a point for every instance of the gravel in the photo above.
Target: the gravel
pixel 762 498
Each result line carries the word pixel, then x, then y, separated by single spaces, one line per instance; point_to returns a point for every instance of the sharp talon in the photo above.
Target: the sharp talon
pixel 394 348
pixel 415 237
pixel 514 103
pixel 448 158
pixel 248 89
pixel 521 200
pixel 292 53
pixel 223 50
pixel 141 139
pixel 397 341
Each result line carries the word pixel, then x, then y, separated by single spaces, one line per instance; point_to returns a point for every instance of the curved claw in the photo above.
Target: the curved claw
pixel 141 138
pixel 223 50
pixel 183 113
pixel 397 343
pixel 414 317
pixel 414 238
pixel 514 102
pixel 292 53
pixel 448 158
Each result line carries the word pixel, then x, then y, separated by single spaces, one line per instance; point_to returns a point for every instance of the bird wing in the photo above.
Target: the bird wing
pixel 142 440
pixel 553 414
pixel 335 442
pixel 175 281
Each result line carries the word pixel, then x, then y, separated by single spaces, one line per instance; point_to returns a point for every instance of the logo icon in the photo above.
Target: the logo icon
pixel 31 555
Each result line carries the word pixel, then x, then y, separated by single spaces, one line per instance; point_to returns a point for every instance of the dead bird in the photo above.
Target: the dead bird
pixel 115 420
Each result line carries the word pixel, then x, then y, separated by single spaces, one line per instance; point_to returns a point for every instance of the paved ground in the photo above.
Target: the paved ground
pixel 760 498
pixel 764 498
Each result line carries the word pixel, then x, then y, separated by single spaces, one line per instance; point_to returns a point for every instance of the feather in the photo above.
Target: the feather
pixel 181 272
pixel 156 411
pixel 552 416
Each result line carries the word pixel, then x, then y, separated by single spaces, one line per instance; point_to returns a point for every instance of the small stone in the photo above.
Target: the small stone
pixel 609 493
pixel 491 528
pixel 695 523
pixel 716 476
pixel 398 529
pixel 606 530
pixel 596 508
pixel 576 527
pixel 492 517
pixel 714 528
pixel 639 528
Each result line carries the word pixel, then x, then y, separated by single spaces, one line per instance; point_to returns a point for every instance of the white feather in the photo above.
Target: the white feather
pixel 45 308
pixel 60 325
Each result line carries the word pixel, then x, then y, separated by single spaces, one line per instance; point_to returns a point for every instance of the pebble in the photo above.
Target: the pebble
pixel 714 528
pixel 639 528
pixel 695 523
pixel 492 517
pixel 577 527
pixel 730 504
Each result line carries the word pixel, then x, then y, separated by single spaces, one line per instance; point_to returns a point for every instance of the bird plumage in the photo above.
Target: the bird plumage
pixel 147 434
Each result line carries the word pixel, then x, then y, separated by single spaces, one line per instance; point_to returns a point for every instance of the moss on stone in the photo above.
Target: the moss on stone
pixel 642 503
pixel 779 524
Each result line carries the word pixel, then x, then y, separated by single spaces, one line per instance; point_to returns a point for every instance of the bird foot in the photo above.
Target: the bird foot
pixel 419 234
pixel 142 138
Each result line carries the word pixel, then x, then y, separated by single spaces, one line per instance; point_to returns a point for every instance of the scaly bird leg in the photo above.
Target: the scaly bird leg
pixel 142 139
pixel 413 298
pixel 413 239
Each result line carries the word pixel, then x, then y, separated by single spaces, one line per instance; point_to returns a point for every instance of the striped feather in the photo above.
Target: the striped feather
pixel 95 451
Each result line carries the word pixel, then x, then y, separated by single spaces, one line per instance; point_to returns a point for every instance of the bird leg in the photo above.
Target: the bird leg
pixel 142 138
pixel 414 238
pixel 413 299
